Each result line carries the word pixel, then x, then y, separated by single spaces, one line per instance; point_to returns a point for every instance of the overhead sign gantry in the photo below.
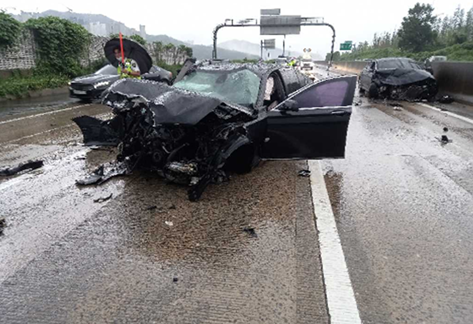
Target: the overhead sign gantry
pixel 273 23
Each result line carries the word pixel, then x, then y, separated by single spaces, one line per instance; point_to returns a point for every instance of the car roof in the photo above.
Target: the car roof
pixel 394 59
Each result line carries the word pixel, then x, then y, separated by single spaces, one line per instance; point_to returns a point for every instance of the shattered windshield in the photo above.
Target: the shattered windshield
pixel 240 87
pixel 398 64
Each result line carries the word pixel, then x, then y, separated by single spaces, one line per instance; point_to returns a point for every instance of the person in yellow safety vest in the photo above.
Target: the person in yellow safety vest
pixel 292 63
pixel 128 70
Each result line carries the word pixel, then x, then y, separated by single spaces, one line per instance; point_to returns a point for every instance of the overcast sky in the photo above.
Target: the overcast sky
pixel 195 20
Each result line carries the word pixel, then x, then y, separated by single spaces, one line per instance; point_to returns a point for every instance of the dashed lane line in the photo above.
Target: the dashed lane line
pixel 43 114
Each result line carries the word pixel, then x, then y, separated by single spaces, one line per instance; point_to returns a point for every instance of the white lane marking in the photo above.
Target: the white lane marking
pixel 51 130
pixel 341 300
pixel 465 119
pixel 43 114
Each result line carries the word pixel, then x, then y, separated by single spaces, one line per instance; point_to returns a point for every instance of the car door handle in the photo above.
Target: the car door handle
pixel 339 112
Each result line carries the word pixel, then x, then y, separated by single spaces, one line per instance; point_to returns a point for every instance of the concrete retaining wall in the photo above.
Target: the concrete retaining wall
pixel 456 79
pixel 21 56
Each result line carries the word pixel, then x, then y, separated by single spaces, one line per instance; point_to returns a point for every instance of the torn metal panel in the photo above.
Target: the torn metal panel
pixel 98 132
pixel 102 174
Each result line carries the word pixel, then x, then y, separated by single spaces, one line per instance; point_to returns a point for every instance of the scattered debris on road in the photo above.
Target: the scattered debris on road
pixel 169 223
pixel 172 207
pixel 304 173
pixel 446 99
pixel 99 176
pixel 103 199
pixel 445 139
pixel 30 165
pixel 175 279
pixel 150 208
pixel 3 224
pixel 250 231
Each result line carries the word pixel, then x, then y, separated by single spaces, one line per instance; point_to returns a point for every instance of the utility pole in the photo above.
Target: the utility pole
pixel 261 49
pixel 284 46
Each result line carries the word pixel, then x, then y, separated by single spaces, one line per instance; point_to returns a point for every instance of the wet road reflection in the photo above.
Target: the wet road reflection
pixel 403 202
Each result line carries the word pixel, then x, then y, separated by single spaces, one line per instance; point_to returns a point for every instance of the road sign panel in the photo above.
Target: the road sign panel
pixel 280 25
pixel 345 46
pixel 270 12
pixel 269 43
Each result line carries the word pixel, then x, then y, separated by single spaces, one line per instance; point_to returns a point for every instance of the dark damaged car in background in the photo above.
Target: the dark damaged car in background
pixel 220 118
pixel 92 86
pixel 398 79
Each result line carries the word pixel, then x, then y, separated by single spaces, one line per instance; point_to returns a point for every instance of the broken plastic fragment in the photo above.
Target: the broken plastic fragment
pixel 169 223
pixel 304 173
pixel 31 165
pixel 3 224
pixel 103 199
pixel 99 176
pixel 250 231
pixel 447 99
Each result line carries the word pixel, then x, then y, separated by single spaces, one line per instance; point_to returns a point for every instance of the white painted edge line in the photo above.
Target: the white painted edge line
pixel 465 119
pixel 43 114
pixel 341 300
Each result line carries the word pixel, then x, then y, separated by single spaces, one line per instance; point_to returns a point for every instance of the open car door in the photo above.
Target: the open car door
pixel 311 123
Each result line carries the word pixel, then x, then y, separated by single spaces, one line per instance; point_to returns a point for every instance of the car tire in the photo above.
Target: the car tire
pixel 85 101
pixel 373 91
pixel 361 91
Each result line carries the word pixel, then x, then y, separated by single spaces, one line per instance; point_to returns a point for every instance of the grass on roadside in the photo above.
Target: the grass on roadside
pixel 18 86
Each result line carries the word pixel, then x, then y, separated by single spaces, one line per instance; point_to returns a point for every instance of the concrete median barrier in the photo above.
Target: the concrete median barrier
pixel 456 79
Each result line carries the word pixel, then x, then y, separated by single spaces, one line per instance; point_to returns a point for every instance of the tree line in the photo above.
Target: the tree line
pixel 421 35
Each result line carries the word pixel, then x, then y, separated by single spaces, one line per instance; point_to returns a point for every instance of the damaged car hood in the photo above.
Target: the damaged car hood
pixel 397 77
pixel 169 105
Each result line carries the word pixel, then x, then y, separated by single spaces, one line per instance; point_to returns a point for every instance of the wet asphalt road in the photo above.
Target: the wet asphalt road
pixel 404 208
pixel 402 201
pixel 246 253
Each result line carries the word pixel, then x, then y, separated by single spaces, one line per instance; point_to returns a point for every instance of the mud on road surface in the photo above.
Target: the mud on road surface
pixel 246 253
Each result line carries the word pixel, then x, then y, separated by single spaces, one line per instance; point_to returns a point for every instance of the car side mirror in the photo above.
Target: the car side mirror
pixel 289 105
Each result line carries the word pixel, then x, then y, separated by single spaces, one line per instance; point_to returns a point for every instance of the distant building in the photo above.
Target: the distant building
pixel 143 31
pixel 97 29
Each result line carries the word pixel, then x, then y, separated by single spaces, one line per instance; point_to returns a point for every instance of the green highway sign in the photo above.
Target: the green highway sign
pixel 346 46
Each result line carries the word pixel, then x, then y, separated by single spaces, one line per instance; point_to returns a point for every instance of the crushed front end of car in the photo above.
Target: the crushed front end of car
pixel 404 84
pixel 183 136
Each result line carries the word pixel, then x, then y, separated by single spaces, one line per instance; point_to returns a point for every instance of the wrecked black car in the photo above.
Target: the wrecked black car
pixel 221 118
pixel 398 79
